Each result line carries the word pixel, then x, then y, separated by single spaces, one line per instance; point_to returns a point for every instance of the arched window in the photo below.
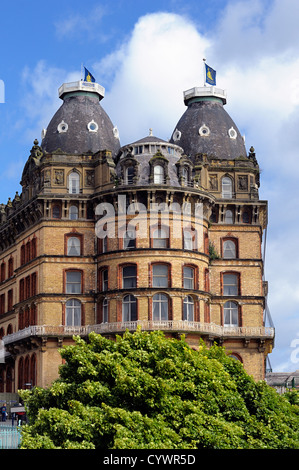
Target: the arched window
pixel 227 187
pixel 129 240
pixel 73 246
pixel 230 314
pixel 229 217
pixel 74 183
pixel 185 176
pixel 73 312
pixel 188 308
pixel 230 284
pixel 158 174
pixel 160 238
pixel 73 213
pixel 56 212
pixel 105 310
pixel 160 307
pixel 129 307
pixel 129 175
pixel 229 249
pixel 129 276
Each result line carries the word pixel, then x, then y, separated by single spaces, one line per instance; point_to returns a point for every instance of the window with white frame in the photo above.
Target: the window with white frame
pixel 230 311
pixel 129 308
pixel 74 183
pixel 73 282
pixel 230 284
pixel 227 187
pixel 73 213
pixel 160 307
pixel 158 174
pixel 188 277
pixel 73 246
pixel 160 238
pixel 229 249
pixel 73 312
pixel 105 310
pixel 160 275
pixel 188 308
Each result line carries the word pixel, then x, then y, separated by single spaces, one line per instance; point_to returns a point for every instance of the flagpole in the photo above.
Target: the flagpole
pixel 81 71
pixel 204 72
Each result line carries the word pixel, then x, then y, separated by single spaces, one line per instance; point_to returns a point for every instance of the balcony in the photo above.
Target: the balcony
pixel 179 326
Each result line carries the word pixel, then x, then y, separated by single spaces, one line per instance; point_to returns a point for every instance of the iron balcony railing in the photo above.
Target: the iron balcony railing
pixel 118 327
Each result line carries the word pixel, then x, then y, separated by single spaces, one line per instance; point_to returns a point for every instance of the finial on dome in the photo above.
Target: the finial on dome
pixel 151 131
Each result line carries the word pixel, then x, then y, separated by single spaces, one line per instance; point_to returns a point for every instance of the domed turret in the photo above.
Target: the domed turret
pixel 137 162
pixel 80 125
pixel 206 127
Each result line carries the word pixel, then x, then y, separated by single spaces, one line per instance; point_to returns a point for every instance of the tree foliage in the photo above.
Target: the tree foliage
pixel 145 391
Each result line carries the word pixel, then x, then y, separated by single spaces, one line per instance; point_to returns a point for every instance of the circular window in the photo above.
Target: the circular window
pixel 62 127
pixel 232 133
pixel 115 132
pixel 204 131
pixel 176 135
pixel 92 126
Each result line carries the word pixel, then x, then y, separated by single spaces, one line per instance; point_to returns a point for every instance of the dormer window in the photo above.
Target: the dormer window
pixel 227 187
pixel 158 174
pixel 74 183
pixel 129 175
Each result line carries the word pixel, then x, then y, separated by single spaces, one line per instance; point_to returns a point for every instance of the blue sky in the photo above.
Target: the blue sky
pixel 145 54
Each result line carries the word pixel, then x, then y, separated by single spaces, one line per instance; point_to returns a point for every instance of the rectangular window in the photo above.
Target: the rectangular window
pixel 104 276
pixel 9 300
pixel 22 290
pixel 33 284
pixel 2 272
pixel 2 304
pixel 188 278
pixel 10 267
pixel 129 277
pixel 73 282
pixel 27 287
pixel 230 284
pixel 160 275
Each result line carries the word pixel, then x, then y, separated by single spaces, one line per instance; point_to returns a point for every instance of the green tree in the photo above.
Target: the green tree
pixel 145 391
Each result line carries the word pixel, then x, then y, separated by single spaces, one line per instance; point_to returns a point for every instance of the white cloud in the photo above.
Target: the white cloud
pixel 40 98
pixel 154 67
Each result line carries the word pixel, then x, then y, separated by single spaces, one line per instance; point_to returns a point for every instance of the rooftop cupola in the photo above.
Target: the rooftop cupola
pixel 80 125
pixel 206 127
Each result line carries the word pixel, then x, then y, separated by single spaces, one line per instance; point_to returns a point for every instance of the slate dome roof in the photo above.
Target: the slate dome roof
pixel 80 125
pixel 206 127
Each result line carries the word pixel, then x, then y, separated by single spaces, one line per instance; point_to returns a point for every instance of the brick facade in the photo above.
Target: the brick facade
pixel 58 278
